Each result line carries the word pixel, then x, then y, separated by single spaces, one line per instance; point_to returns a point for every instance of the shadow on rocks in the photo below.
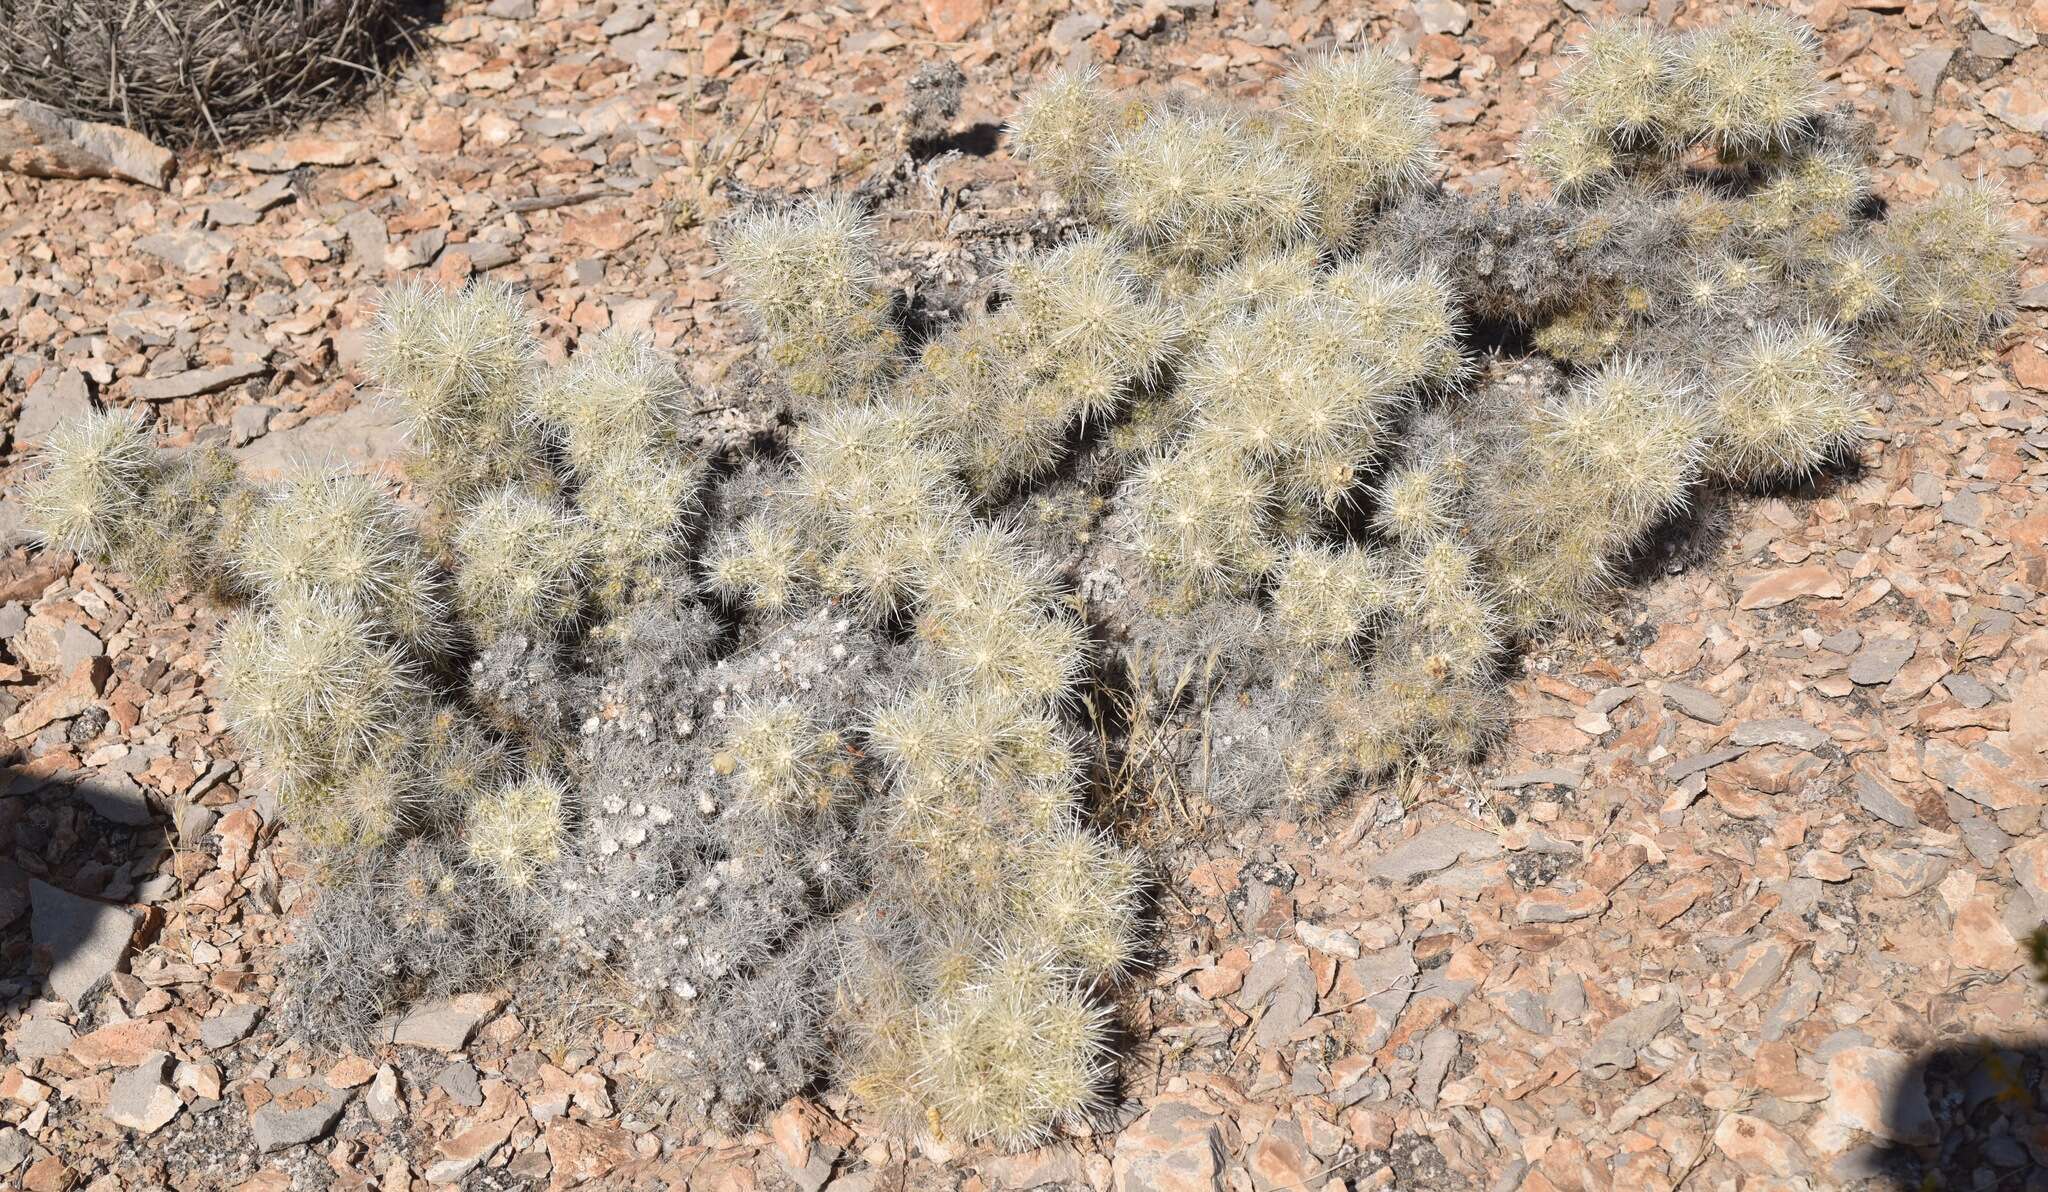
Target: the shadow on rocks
pixel 78 860
pixel 1976 1115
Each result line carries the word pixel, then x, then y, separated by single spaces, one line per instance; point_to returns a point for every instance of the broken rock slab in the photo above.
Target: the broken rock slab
pixel 86 940
pixel 43 142
pixel 228 1027
pixel 1431 850
pixel 443 1026
pixel 1780 730
pixel 1613 1050
pixel 197 381
pixel 298 1112
pixel 59 396
pixel 140 1099
pixel 365 434
pixel 1177 1146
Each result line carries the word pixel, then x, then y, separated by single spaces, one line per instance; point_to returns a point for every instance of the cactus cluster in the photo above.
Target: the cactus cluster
pixel 1277 461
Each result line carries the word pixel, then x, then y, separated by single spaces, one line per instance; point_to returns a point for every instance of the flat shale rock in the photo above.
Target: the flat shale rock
pixel 86 940
pixel 44 143
pixel 298 1112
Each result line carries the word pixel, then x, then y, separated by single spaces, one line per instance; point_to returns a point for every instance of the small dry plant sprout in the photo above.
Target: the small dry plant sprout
pixel 807 757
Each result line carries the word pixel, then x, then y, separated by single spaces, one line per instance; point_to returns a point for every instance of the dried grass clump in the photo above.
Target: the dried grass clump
pixel 189 72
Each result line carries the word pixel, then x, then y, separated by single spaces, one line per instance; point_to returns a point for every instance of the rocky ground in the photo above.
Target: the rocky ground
pixel 1741 906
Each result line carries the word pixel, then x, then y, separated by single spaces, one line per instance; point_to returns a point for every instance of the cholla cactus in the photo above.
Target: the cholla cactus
pixel 341 538
pixel 313 688
pixel 1954 264
pixel 810 279
pixel 1785 403
pixel 1003 1050
pixel 522 563
pixel 102 488
pixel 1747 85
pixel 460 367
pixel 516 831
pixel 1326 597
pixel 92 472
pixel 1228 452
pixel 788 764
pixel 1355 123
pixel 1061 127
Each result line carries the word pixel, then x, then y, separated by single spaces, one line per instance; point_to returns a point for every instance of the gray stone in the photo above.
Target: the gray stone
pixel 86 940
pixel 382 1099
pixel 76 644
pixel 13 618
pixel 1842 641
pixel 1802 994
pixel 232 213
pixel 1925 68
pixel 1567 1000
pixel 1557 776
pixel 57 397
pixel 1432 849
pixel 140 1100
pixel 1281 980
pixel 248 423
pixel 298 1112
pixel 459 1081
pixel 1331 940
pixel 1902 873
pixel 368 238
pixel 197 381
pixel 1439 1049
pixel 1965 509
pixel 1526 1010
pixel 116 798
pixel 42 1037
pixel 1876 798
pixel 189 251
pixel 1607 699
pixel 444 1027
pixel 511 10
pixel 1370 1086
pixel 42 142
pixel 1173 1147
pixel 1443 16
pixel 1614 1048
pixel 1070 31
pixel 1762 973
pixel 1967 691
pixel 1782 730
pixel 366 433
pixel 1695 703
pixel 1881 659
pixel 14 1147
pixel 1685 767
pixel 1389 977
pixel 816 1171
pixel 229 1027
pixel 484 257
pixel 1985 840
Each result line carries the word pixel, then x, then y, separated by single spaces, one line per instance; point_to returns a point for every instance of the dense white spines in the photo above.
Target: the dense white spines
pixel 1061 128
pixel 522 563
pixel 1356 124
pixel 1785 402
pixel 94 469
pixel 810 279
pixel 460 367
pixel 516 830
